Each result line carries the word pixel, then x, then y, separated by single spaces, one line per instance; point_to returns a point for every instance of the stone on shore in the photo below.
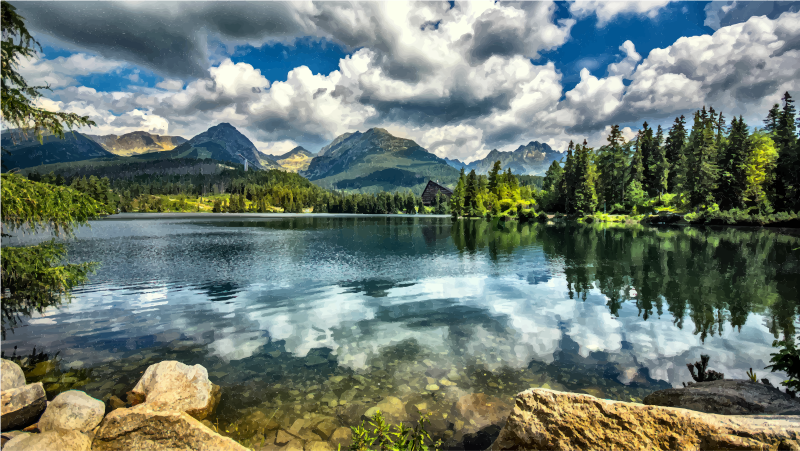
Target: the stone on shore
pixel 550 420
pixel 22 406
pixel 58 439
pixel 11 375
pixel 726 397
pixel 155 426
pixel 185 388
pixel 73 410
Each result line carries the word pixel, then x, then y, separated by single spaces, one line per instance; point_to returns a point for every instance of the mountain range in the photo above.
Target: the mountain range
pixel 136 143
pixel 24 150
pixel 366 162
pixel 377 161
pixel 531 159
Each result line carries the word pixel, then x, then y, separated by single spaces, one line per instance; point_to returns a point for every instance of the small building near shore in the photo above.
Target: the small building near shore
pixel 429 194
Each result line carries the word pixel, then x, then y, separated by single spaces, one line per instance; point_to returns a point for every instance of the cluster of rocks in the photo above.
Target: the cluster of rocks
pixel 166 409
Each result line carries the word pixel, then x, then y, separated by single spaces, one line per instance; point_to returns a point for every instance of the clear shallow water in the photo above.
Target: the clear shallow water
pixel 323 316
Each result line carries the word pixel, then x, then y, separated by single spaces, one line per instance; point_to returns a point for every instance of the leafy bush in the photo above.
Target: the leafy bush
pixel 382 438
pixel 505 204
pixel 588 219
pixel 542 217
pixel 787 359
pixel 526 215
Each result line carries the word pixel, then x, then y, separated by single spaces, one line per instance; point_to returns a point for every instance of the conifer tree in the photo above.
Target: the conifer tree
pixel 759 170
pixel 636 171
pixel 457 199
pixel 786 189
pixel 585 198
pixel 673 152
pixel 732 166
pixel 567 188
pixel 771 122
pixel 471 197
pixel 703 170
pixel 496 169
pixel 611 162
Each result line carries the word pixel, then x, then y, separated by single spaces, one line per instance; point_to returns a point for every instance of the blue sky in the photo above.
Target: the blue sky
pixel 460 79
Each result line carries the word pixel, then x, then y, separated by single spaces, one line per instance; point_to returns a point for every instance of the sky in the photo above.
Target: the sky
pixel 460 79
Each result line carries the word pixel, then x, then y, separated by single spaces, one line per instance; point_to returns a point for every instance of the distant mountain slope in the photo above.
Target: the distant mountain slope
pixel 221 142
pixel 25 151
pixel 359 161
pixel 531 159
pixel 458 164
pixel 295 160
pixel 129 167
pixel 135 143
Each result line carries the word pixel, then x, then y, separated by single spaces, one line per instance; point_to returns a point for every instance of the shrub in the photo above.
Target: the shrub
pixel 542 217
pixel 505 204
pixel 787 359
pixel 588 219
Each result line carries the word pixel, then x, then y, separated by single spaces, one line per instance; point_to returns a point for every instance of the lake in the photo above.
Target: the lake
pixel 297 316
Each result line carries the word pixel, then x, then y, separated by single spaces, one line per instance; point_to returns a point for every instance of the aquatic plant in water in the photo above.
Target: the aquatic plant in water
pixel 704 375
pixel 383 439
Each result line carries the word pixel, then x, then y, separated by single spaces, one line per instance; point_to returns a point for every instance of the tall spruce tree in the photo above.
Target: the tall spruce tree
pixel 786 190
pixel 733 167
pixel 585 198
pixel 471 196
pixel 457 199
pixel 703 171
pixel 496 169
pixel 771 122
pixel 567 188
pixel 673 152
pixel 611 164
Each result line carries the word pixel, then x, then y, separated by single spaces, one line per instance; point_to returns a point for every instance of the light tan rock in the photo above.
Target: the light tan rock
pixel 546 419
pixel 325 428
pixel 727 397
pixel 479 410
pixel 22 406
pixel 58 439
pixel 392 408
pixel 341 436
pixel 318 446
pixel 293 445
pixel 283 437
pixel 154 427
pixel 185 388
pixel 73 410
pixel 11 375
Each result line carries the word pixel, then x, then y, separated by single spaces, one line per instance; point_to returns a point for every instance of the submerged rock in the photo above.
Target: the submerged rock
pixel 392 408
pixel 151 426
pixel 74 410
pixel 59 439
pixel 479 410
pixel 727 397
pixel 22 406
pixel 551 420
pixel 184 388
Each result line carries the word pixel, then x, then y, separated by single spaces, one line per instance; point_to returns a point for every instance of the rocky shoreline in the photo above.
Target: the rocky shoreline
pixel 168 408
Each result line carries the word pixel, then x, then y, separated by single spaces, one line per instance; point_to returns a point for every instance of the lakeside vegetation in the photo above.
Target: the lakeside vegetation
pixel 706 169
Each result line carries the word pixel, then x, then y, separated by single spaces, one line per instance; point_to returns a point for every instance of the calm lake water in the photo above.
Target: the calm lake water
pixel 324 316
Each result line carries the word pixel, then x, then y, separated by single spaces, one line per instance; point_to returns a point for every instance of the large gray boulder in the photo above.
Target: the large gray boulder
pixel 73 410
pixel 550 420
pixel 21 406
pixel 59 439
pixel 185 388
pixel 727 397
pixel 154 426
pixel 11 375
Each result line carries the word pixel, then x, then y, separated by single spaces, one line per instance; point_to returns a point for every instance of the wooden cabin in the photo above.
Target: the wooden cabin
pixel 429 194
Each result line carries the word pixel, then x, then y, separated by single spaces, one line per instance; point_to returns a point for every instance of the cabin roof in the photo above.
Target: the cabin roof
pixel 432 184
